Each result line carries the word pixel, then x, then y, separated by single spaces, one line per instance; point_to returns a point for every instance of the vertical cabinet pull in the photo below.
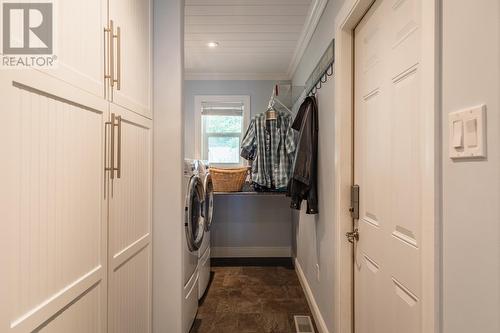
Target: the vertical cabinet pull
pixel 111 51
pixel 109 64
pixel 116 122
pixel 119 153
pixel 118 79
pixel 107 51
pixel 106 161
pixel 112 168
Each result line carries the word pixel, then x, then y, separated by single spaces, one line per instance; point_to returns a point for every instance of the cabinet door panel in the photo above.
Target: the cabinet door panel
pixel 133 17
pixel 130 227
pixel 54 232
pixel 79 37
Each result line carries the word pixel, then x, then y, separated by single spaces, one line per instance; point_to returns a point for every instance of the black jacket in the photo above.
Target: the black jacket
pixel 303 184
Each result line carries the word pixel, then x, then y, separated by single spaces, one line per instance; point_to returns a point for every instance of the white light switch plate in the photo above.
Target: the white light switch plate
pixel 467 129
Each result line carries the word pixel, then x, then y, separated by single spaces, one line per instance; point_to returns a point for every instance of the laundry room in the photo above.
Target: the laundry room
pixel 250 166
pixel 250 69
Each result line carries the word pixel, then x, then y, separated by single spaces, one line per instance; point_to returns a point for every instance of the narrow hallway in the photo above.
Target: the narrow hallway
pixel 251 299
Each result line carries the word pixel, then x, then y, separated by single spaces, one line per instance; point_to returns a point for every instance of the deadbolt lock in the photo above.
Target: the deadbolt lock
pixel 353 236
pixel 354 209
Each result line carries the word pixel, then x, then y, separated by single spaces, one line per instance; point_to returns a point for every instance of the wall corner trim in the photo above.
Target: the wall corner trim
pixel 312 21
pixel 318 318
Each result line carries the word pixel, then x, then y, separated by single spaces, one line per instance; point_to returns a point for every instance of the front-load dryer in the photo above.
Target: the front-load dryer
pixel 193 233
pixel 208 211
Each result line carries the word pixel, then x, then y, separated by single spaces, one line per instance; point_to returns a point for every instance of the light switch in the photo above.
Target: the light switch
pixel 471 132
pixel 467 129
pixel 458 134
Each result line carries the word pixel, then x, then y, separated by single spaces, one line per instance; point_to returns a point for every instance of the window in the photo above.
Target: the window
pixel 222 124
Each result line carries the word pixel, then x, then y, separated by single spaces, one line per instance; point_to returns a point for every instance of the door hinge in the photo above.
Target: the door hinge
pixel 352 236
pixel 354 209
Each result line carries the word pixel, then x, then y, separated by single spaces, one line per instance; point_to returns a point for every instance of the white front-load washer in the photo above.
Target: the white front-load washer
pixel 208 211
pixel 194 230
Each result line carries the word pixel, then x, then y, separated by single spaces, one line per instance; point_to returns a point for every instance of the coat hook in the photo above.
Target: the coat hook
pixel 329 71
pixel 324 78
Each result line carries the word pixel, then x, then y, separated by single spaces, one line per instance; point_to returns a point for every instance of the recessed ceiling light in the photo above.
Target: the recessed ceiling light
pixel 212 45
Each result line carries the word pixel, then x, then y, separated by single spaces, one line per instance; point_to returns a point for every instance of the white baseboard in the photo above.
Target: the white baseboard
pixel 318 318
pixel 251 252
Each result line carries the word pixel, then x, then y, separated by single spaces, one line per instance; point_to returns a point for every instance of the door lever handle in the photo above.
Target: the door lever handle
pixel 353 236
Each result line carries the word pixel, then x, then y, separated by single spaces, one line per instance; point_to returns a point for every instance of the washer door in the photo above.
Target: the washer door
pixel 208 202
pixel 194 223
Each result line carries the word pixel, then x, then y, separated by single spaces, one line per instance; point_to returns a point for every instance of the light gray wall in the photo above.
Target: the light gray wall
pixel 167 165
pixel 471 189
pixel 314 241
pixel 241 221
pixel 261 221
pixel 315 234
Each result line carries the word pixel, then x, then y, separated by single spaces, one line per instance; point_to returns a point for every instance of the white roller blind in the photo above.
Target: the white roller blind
pixel 222 109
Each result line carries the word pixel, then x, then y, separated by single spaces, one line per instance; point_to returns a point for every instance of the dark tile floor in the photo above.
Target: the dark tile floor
pixel 251 299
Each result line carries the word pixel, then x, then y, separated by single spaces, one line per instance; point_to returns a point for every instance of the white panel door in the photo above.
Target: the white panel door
pixel 130 271
pixel 79 41
pixel 389 168
pixel 53 217
pixel 132 54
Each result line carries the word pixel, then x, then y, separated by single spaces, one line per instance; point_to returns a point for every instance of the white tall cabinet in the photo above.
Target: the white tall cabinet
pixel 130 227
pixel 75 238
pixel 133 54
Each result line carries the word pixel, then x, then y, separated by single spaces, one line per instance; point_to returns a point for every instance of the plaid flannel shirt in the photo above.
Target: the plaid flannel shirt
pixel 270 145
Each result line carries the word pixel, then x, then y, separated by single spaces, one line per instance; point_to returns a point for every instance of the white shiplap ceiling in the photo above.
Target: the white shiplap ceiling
pixel 258 39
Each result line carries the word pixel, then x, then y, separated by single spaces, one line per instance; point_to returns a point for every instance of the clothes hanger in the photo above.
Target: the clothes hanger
pixel 283 105
pixel 271 113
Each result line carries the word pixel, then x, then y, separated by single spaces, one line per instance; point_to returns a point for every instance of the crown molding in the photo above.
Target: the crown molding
pixel 312 21
pixel 235 76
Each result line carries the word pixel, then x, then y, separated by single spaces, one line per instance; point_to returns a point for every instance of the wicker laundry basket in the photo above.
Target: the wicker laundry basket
pixel 229 180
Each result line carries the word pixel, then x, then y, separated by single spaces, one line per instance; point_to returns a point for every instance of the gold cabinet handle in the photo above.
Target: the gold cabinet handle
pixel 106 161
pixel 118 79
pixel 112 167
pixel 111 48
pixel 119 153
pixel 107 50
pixel 116 121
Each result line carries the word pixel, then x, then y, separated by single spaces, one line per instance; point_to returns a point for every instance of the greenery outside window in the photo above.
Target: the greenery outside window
pixel 223 122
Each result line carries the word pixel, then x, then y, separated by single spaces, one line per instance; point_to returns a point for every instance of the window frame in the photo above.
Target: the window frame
pixel 200 144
